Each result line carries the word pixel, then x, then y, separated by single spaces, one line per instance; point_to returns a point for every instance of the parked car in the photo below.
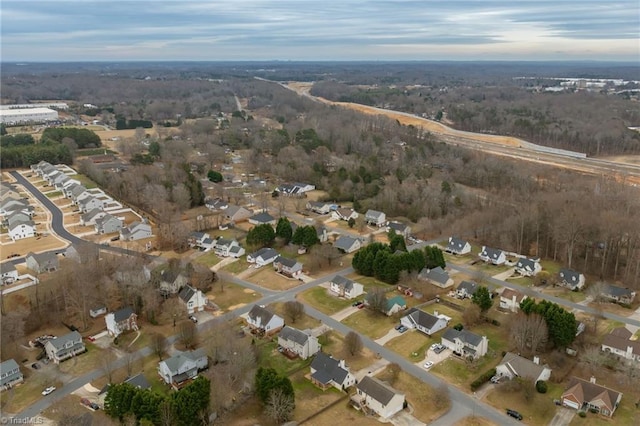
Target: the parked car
pixel 397 327
pixel 48 390
pixel 361 305
pixel 434 346
pixel 357 303
pixel 402 329
pixel 193 318
pixel 440 348
pixel 36 366
pixel 428 365
pixel 514 414
pixel 495 379
pixel 94 406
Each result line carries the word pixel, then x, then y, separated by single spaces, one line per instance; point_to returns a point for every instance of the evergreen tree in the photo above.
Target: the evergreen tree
pixel 284 230
pixel 482 298
pixel 261 235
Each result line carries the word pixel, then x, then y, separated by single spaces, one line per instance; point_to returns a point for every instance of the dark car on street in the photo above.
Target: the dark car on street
pixel 514 414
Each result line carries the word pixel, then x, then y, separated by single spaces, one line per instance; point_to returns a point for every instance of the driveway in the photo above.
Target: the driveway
pixel 403 418
pixel 563 417
pixel 391 334
pixel 340 315
pixel 372 369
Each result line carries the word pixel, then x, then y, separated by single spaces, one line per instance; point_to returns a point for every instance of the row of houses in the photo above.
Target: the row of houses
pixel 223 247
pixel 17 213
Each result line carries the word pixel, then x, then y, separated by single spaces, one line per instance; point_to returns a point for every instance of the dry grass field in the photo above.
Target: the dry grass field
pixel 268 278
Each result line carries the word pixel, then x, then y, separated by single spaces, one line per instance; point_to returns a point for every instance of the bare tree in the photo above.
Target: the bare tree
pixel 596 291
pixel 107 363
pixel 13 329
pixel 529 331
pixel 377 300
pixel 471 315
pixel 393 371
pixel 129 358
pixel 293 310
pixel 353 343
pixel 158 344
pixel 279 406
pixel 187 334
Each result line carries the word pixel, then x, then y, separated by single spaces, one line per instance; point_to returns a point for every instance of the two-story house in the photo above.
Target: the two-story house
pixel 136 231
pixel 528 267
pixel 122 320
pixel 262 320
pixel 571 279
pixel 183 367
pixel 89 218
pixel 296 342
pixel 374 217
pixel 465 343
pixel 327 372
pixel 466 289
pixel 458 246
pixel 42 262
pixel 172 281
pixel 226 247
pixel 8 273
pixel 108 224
pixel 424 321
pixel 64 347
pixel 378 397
pixel 10 374
pixel 510 299
pixel 399 228
pixel 193 299
pixel 288 267
pixel 344 287
pixel 493 256
pixel 263 257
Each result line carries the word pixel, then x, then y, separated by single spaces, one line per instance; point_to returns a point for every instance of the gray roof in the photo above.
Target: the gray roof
pixel 232 210
pixel 175 362
pixel 376 389
pixel 569 275
pixel 7 267
pixel 91 214
pixel 289 263
pixel 197 235
pixel 397 226
pixel 235 249
pixel 436 274
pixel 87 200
pixel 327 369
pixel 343 282
pixel 491 253
pixel 8 365
pixel 259 312
pixel 224 242
pixel 122 314
pixel 45 259
pixel 526 263
pixel 344 242
pixel 60 342
pixel 522 367
pixel 265 253
pixel 373 214
pixel 139 381
pixel 77 190
pixel 468 286
pixel 456 244
pixel 106 218
pixel 19 222
pixel 422 318
pixel 293 334
pixel 263 217
pixel 464 335
pixel 186 293
pixel 616 291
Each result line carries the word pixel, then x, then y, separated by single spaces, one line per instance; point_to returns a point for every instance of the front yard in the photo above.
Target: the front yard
pixel 231 296
pixel 412 344
pixel 267 277
pixel 538 409
pixel 208 259
pixel 306 322
pixel 461 373
pixel 323 300
pixel 269 357
pixel 370 323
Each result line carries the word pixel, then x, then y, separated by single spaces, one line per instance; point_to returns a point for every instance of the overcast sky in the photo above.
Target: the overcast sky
pixel 86 30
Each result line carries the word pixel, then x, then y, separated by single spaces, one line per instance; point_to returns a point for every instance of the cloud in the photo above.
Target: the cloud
pixel 321 30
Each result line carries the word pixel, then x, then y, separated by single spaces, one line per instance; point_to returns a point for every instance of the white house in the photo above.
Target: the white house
pixel 21 229
pixel 120 321
pixel 399 228
pixel 466 289
pixel 344 214
pixel 259 318
pixel 528 267
pixel 378 397
pixel 223 247
pixel 347 244
pixel 8 273
pixel 262 257
pixel 513 365
pixel 458 246
pixel 300 343
pixel 89 203
pixel 327 371
pixel 344 287
pixel 320 207
pixel 10 374
pixel 135 231
pixel 493 256
pixel 295 189
pixel 465 343
pixel 194 300
pixel 395 305
pixel 425 322
pixel 182 367
pixel 374 217
pixel 571 279
pixel 510 299
pixel 619 343
pixel 196 238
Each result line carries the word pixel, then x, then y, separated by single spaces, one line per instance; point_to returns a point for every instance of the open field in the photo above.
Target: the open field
pixel 34 244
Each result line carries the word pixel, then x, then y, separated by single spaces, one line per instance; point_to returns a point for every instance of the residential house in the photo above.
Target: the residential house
pixel 196 238
pixel 327 371
pixel 216 204
pixel 399 228
pixel 207 244
pixel 183 367
pixel 344 287
pixel 68 190
pixel 89 203
pixel 493 256
pixel 193 299
pixel 42 262
pixel 374 217
pixel 96 311
pixel 347 244
pixel 378 397
pixel 20 229
pixel 457 246
pixel 224 246
pixel 436 276
pixel 172 281
pixel 237 214
pixel 262 257
pixel 586 395
pixel 513 365
pixel 295 189
pixel 108 224
pixel 78 193
pixel 236 251
pixel 466 289
pixel 120 321
pixel 344 214
pixel 296 342
pixel 8 273
pixel 89 218
pixel 262 320
pixel 263 218
pixel 618 294
pixel 10 374
pixel 322 234
pixel 288 267
pixel 138 381
pixel 619 343
pixel 528 267
pixel 465 343
pixel 82 252
pixel 17 216
pixel 51 177
pixel 320 207
pixel 135 231
pixel 571 279
pixel 425 322
pixel 395 305
pixel 58 180
pixel 510 299
pixel 12 204
pixel 64 347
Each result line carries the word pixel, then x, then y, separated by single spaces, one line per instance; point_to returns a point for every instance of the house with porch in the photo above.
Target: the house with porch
pixel 528 267
pixel 193 299
pixel 465 343
pixel 64 347
pixel 436 276
pixel 571 279
pixel 374 217
pixel 347 244
pixel 296 342
pixel 327 372
pixel 122 320
pixel 183 367
pixel 458 246
pixel 10 374
pixel 378 397
pixel 513 365
pixel 20 229
pixel 618 342
pixel 262 257
pixel 493 256
pixel 344 287
pixel 264 321
pixel 344 214
pixel 618 294
pixel 587 395
pixel 510 299
pixel 424 321
pixel 290 268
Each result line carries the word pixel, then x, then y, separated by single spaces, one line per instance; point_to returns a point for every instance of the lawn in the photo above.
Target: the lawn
pixel 410 343
pixel 238 266
pixel 370 323
pixel 370 282
pixel 538 410
pixel 460 372
pixel 625 414
pixel 208 259
pixel 232 296
pixel 550 266
pixel 456 316
pixel 573 296
pixel 83 363
pixel 343 414
pixel 54 194
pixel 306 322
pixel 85 180
pixel 333 344
pixel 269 357
pixel 309 398
pixel 25 394
pixel 474 421
pixel 268 278
pixel 321 299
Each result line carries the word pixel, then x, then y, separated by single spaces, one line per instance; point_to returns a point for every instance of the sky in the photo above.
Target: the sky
pixel 264 30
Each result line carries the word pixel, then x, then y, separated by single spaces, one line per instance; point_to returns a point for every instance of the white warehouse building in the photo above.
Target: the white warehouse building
pixel 29 115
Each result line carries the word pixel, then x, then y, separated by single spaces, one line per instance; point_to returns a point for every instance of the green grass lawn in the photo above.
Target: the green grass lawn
pixel 412 345
pixel 538 410
pixel 624 415
pixel 208 259
pixel 372 324
pixel 573 296
pixel 269 357
pixel 550 266
pixel 85 180
pixel 238 266
pixel 461 373
pixel 321 299
pixel 370 282
pixel 54 194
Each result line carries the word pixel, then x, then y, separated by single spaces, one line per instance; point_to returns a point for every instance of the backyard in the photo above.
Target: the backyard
pixel 412 345
pixel 323 300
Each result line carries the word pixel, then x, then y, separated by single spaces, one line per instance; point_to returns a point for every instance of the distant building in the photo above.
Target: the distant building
pixel 28 115
pixel 10 374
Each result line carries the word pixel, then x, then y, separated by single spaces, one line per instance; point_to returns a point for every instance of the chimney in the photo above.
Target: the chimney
pixel 536 360
pixel 593 380
pixel 435 313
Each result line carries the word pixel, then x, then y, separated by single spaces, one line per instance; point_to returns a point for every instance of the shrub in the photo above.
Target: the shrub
pixel 582 414
pixel 593 410
pixel 484 378
pixel 541 386
pixel 458 327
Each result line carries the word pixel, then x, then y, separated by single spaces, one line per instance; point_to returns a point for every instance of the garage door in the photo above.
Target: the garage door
pixel 570 404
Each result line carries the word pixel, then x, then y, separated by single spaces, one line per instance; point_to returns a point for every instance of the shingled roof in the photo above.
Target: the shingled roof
pixel 377 390
pixel 294 335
